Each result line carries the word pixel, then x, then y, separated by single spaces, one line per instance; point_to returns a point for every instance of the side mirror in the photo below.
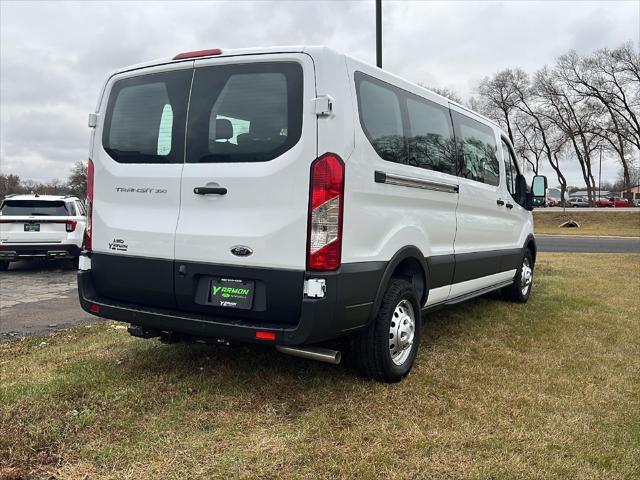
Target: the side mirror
pixel 538 193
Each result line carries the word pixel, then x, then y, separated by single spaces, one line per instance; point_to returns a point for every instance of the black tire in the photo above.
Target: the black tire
pixel 372 348
pixel 4 265
pixel 516 292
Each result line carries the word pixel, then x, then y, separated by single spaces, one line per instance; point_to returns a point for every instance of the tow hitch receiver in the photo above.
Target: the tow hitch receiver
pixel 140 332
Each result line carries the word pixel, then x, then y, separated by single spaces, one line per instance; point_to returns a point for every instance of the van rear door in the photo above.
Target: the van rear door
pixel 251 138
pixel 138 155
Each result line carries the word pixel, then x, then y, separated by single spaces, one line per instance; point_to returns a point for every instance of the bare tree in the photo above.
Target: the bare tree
pixel 9 184
pixel 77 182
pixel 593 78
pixel 575 117
pixel 528 142
pixel 498 97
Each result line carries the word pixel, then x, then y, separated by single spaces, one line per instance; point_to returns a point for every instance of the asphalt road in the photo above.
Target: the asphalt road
pixel 578 244
pixel 39 297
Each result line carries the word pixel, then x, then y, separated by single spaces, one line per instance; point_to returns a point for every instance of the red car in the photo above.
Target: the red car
pixel 615 202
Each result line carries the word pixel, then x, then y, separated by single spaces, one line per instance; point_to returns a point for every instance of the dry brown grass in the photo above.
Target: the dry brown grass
pixel 603 222
pixel 546 390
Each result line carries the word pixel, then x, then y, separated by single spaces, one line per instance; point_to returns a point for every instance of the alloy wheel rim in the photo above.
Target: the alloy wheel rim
pixel 402 332
pixel 526 276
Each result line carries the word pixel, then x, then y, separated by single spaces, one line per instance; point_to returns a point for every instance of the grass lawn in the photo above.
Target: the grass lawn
pixel 502 391
pixel 605 222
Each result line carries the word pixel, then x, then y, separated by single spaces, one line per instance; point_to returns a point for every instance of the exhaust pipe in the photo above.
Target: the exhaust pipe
pixel 312 353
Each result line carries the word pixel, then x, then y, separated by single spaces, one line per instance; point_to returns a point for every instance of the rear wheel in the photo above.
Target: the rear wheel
pixel 520 290
pixel 387 349
pixel 4 265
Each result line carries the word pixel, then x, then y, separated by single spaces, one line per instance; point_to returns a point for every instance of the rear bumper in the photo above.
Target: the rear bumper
pixel 15 251
pixel 340 312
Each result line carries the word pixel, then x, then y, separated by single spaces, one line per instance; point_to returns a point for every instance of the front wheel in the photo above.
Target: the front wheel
pixel 387 349
pixel 520 290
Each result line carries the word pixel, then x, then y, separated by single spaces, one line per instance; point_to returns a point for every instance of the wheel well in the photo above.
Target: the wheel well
pixel 531 246
pixel 411 270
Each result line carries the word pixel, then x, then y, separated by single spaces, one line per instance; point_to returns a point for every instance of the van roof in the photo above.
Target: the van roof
pixel 312 50
pixel 225 52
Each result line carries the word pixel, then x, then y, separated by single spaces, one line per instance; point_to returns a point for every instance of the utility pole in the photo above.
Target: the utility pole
pixel 379 33
pixel 600 174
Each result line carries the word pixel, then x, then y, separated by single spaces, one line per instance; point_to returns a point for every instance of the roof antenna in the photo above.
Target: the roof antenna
pixel 379 33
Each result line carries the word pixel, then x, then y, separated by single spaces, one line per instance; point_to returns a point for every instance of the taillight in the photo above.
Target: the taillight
pixel 71 225
pixel 326 195
pixel 87 231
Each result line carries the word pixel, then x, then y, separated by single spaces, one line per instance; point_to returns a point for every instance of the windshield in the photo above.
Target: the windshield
pixel 34 207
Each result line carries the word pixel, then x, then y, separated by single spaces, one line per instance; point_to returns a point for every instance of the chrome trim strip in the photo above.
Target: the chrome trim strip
pixel 412 182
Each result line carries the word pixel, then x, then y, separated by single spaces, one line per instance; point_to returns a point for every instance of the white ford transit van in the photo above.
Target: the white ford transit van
pixel 295 195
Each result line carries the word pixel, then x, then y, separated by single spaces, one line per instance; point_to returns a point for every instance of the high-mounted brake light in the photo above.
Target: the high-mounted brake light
pixel 88 230
pixel 326 196
pixel 198 53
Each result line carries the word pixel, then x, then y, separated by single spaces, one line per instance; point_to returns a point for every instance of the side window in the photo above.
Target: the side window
pixel 431 143
pixel 145 118
pixel 510 167
pixel 80 208
pixel 478 150
pixel 381 118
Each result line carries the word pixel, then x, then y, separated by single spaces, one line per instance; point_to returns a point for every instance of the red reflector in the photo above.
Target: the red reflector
pixel 265 335
pixel 94 308
pixel 198 53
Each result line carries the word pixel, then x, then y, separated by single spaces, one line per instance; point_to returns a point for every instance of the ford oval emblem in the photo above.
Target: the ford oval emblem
pixel 241 251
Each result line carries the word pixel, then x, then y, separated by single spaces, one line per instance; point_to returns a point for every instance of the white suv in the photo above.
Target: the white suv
pixel 40 226
pixel 296 195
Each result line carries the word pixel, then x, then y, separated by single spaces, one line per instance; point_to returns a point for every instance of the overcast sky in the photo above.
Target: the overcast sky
pixel 54 56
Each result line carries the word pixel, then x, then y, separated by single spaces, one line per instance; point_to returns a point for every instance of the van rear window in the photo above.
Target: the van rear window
pixel 34 208
pixel 237 113
pixel 244 113
pixel 145 118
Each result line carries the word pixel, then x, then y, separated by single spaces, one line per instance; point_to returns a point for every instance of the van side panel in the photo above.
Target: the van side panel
pixel 380 218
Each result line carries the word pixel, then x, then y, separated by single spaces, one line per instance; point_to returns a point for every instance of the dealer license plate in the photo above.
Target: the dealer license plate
pixel 231 293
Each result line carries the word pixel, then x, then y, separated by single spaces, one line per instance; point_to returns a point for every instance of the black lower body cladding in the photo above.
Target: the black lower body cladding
pixel 171 295
pixel 168 295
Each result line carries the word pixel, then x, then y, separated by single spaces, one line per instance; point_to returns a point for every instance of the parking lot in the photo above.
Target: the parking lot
pixel 39 297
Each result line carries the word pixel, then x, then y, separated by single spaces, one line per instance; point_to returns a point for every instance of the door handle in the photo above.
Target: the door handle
pixel 500 202
pixel 509 206
pixel 210 191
